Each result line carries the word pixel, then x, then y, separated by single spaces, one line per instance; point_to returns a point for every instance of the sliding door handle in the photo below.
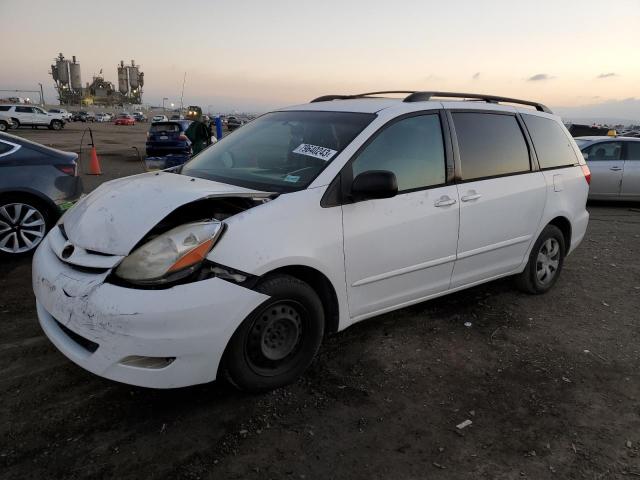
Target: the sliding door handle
pixel 444 201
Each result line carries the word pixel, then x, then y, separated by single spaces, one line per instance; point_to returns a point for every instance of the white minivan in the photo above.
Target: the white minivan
pixel 303 222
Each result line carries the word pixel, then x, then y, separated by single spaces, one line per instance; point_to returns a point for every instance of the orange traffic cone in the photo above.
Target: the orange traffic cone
pixel 94 164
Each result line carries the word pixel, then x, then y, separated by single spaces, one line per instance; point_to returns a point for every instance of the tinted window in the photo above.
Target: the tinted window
pixel 165 127
pixel 604 151
pixel 552 145
pixel 24 109
pixel 5 147
pixel 4 108
pixel 633 150
pixel 412 149
pixel 490 144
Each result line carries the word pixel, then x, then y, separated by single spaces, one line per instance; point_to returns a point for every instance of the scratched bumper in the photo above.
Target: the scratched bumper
pixel 190 323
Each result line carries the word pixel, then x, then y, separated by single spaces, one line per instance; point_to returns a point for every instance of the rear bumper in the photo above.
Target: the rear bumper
pixel 578 229
pixel 106 329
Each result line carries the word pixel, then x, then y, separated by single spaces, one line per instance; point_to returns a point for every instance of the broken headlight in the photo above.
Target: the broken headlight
pixel 172 255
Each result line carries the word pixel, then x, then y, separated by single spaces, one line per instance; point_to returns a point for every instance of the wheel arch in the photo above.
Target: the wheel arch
pixel 321 285
pixel 564 225
pixel 27 193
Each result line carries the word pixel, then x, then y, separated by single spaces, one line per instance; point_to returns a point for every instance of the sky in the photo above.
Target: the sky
pixel 579 57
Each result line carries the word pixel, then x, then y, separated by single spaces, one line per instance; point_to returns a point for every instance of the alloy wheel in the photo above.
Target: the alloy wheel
pixel 22 227
pixel 548 261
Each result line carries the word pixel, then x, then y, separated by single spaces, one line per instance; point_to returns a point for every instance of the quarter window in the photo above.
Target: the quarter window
pixel 633 151
pixel 411 148
pixel 490 145
pixel 5 147
pixel 551 143
pixel 604 151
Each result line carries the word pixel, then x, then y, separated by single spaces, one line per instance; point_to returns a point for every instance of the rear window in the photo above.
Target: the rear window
pixel 164 127
pixel 490 145
pixel 552 145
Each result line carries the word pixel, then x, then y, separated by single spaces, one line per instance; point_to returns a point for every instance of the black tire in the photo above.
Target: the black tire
pixel 530 280
pixel 291 320
pixel 16 122
pixel 56 125
pixel 4 126
pixel 43 211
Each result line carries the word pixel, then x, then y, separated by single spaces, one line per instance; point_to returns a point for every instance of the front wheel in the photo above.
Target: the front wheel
pixel 23 224
pixel 56 124
pixel 278 341
pixel 545 262
pixel 4 126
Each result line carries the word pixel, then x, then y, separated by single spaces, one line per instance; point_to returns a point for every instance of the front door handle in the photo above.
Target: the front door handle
pixel 615 169
pixel 444 201
pixel 471 196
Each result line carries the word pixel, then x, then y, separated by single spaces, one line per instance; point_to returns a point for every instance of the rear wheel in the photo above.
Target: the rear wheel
pixel 545 262
pixel 278 341
pixel 16 122
pixel 4 126
pixel 23 224
pixel 56 124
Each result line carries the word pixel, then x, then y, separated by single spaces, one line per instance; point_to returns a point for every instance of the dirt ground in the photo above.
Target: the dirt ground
pixel 551 384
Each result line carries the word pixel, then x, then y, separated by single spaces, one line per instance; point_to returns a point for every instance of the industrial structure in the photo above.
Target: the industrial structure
pixel 68 80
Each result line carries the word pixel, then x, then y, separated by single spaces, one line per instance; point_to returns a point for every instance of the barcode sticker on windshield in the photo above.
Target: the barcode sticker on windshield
pixel 315 151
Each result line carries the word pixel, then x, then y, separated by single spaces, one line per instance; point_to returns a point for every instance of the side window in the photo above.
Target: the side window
pixel 604 151
pixel 24 109
pixel 4 108
pixel 633 151
pixel 551 143
pixel 411 148
pixel 490 145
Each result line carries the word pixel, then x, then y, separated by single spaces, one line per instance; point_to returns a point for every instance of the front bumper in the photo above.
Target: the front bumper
pixel 102 327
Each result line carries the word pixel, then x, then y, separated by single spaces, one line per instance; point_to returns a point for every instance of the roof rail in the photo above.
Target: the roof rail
pixel 327 98
pixel 415 96
pixel 426 96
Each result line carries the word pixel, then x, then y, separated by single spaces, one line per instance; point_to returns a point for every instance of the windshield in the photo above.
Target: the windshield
pixel 582 143
pixel 280 151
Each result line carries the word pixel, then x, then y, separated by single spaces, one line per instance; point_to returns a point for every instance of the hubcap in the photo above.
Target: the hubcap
pixel 275 336
pixel 22 227
pixel 548 261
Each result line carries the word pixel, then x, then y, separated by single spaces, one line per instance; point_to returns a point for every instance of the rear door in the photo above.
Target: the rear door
pixel 631 175
pixel 24 115
pixel 606 165
pixel 502 195
pixel 401 249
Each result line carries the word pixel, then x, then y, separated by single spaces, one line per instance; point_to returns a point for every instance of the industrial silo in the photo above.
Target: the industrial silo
pixel 133 75
pixel 123 81
pixel 76 79
pixel 62 67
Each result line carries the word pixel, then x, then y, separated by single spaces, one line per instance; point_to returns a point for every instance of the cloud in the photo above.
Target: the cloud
pixel 539 77
pixel 607 75
pixel 476 76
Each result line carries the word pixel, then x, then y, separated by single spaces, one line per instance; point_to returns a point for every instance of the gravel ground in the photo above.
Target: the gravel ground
pixel 550 383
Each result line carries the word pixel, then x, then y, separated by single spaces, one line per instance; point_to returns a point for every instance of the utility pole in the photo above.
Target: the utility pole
pixel 182 94
pixel 41 95
pixel 163 100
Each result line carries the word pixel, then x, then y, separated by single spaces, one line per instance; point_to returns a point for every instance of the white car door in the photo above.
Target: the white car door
pixel 606 165
pixel 631 176
pixel 40 117
pixel 24 115
pixel 501 196
pixel 402 249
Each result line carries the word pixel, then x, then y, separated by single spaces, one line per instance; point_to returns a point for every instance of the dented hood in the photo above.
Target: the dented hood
pixel 115 216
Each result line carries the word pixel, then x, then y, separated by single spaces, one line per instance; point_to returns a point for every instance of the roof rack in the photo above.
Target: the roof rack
pixel 415 96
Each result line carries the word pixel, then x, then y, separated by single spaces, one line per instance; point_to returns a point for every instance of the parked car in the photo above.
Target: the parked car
pixel 305 221
pixel 5 122
pixel 233 123
pixel 37 184
pixel 31 116
pixel 139 117
pixel 182 137
pixel 177 117
pixel 84 117
pixel 615 166
pixel 159 118
pixel 102 117
pixel 66 115
pixel 124 119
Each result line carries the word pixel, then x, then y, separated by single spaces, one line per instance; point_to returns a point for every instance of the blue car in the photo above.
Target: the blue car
pixel 170 137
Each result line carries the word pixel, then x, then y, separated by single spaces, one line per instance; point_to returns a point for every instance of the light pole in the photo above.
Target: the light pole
pixel 163 100
pixel 41 95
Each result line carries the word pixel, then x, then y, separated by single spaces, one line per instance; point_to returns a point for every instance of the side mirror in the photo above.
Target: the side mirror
pixel 374 184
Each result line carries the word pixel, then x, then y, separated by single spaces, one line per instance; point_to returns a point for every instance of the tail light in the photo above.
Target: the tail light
pixel 183 137
pixel 587 173
pixel 71 170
